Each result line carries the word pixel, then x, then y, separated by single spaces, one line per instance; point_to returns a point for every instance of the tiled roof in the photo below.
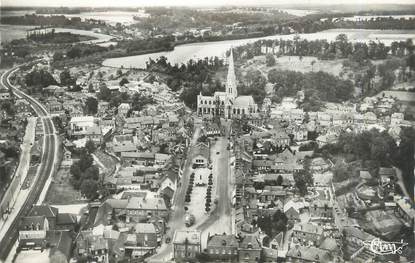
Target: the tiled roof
pixel 311 254
pixel 145 228
pixel 139 203
pixel 222 241
pixel 192 236
pixel 44 210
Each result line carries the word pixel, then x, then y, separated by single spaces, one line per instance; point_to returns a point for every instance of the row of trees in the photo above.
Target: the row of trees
pixel 78 51
pixel 341 47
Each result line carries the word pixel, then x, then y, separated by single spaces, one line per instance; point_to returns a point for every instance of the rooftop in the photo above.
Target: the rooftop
pixel 192 236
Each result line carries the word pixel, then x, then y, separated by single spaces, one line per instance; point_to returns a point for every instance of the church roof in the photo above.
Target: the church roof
pixel 243 101
pixel 231 78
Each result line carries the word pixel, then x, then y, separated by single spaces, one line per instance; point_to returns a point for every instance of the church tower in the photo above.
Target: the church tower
pixel 231 78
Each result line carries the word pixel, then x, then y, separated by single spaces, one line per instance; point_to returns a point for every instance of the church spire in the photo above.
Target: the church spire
pixel 231 78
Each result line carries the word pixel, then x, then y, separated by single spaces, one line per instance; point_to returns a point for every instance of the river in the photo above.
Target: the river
pixel 183 53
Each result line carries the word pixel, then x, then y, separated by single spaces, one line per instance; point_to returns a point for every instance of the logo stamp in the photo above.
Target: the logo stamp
pixel 381 247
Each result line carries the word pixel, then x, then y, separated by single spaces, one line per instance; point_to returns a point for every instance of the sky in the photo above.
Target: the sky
pixel 138 3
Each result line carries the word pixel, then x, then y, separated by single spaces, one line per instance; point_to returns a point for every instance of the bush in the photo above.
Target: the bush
pixel 187 198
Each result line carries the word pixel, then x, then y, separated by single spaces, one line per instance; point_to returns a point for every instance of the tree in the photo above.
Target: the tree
pixel 340 172
pixel 91 106
pixel 67 79
pixel 39 79
pixel 272 225
pixel 123 81
pixel 58 55
pixel 85 161
pixel 270 60
pixel 90 146
pixel 75 170
pixel 104 93
pixel 89 188
pixel 91 173
pixel 139 101
pixel 279 180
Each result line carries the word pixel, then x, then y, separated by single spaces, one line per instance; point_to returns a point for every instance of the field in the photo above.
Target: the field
pixel 306 64
pixel 61 191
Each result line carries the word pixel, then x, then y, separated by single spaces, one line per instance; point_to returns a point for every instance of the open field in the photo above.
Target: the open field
pixel 295 63
pixel 61 191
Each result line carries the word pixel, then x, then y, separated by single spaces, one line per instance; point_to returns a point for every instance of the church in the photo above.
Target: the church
pixel 227 104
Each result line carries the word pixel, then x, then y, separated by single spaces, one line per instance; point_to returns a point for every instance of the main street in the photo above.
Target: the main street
pixel 219 220
pixel 46 167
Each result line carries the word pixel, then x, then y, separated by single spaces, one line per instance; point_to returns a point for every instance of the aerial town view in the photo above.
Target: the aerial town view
pixel 207 131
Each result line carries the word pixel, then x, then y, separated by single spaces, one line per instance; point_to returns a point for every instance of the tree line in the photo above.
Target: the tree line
pixel 341 47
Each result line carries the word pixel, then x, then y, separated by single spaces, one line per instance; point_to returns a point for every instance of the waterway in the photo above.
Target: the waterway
pixel 183 53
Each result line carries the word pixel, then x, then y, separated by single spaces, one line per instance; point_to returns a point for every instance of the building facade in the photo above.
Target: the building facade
pixel 226 104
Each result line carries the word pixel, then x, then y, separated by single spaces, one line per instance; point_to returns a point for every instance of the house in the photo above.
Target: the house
pixel 94 245
pixel 49 212
pixel 201 155
pixel 292 213
pixel 222 247
pixel 302 254
pixel 123 109
pixel 249 249
pixel 321 209
pixel 32 231
pixel 4 96
pixel 324 119
pixel 161 159
pixel 168 181
pixel 79 125
pixel 56 220
pixel 307 234
pixel 370 118
pixel 139 208
pixel 146 235
pixel 396 118
pixel 405 210
pixel 94 134
pixel 186 244
pixel 280 138
pixel 140 158
pixel 272 193
pixel 319 165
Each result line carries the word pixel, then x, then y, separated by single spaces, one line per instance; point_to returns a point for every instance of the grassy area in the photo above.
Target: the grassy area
pixel 61 191
pixel 306 64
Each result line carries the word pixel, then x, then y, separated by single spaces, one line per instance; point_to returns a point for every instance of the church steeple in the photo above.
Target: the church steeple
pixel 231 78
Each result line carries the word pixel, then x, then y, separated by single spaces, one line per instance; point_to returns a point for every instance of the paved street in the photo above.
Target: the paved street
pixel 220 218
pixel 177 218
